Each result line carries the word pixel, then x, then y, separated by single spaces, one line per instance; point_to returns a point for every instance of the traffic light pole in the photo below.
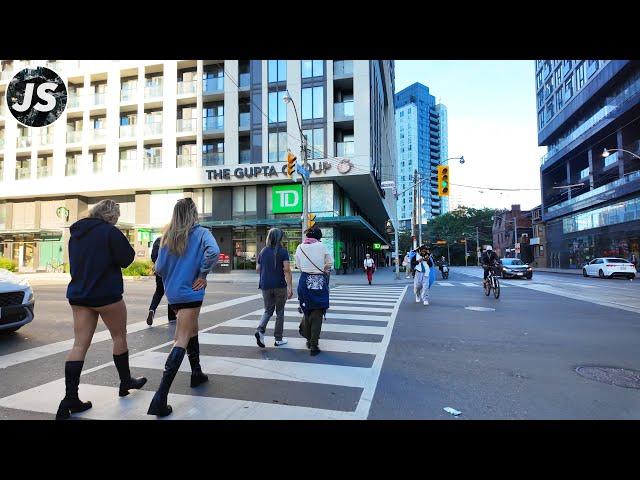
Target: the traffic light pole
pixel 305 187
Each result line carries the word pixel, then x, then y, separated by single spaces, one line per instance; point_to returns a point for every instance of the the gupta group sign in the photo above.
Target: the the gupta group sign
pixel 287 198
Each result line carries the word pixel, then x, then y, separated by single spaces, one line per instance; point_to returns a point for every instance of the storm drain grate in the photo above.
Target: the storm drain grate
pixel 620 377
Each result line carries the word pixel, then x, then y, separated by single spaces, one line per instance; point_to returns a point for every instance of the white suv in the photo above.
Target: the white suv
pixel 608 267
pixel 16 302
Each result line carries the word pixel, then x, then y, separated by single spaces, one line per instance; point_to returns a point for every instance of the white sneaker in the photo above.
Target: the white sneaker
pixel 426 302
pixel 284 341
pixel 417 298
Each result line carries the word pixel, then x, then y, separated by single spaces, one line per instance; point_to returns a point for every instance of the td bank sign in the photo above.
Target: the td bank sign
pixel 286 198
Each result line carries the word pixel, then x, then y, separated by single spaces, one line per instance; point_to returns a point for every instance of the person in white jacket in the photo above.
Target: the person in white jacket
pixel 369 267
pixel 421 279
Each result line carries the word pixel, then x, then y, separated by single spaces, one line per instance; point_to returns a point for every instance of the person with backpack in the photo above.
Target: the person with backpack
pixel 315 263
pixel 98 251
pixel 159 293
pixel 187 254
pixel 369 267
pixel 276 284
pixel 421 283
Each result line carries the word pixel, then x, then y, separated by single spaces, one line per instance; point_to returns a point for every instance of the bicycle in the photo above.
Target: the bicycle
pixel 492 282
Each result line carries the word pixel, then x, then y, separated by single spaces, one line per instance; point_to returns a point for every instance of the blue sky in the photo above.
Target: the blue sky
pixel 491 108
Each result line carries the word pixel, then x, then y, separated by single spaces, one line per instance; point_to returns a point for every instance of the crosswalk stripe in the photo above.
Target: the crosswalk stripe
pixel 326 327
pixel 368 348
pixel 369 290
pixel 264 369
pixel 444 284
pixel 469 284
pixel 364 298
pixel 347 308
pixel 337 316
pixel 359 302
pixel 107 404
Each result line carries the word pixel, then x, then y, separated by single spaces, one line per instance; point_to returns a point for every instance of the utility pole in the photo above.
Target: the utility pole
pixel 515 236
pixel 419 207
pixel 477 247
pixel 465 252
pixel 305 187
pixel 414 213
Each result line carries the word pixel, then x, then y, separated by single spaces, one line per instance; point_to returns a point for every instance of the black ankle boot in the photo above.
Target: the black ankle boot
pixel 159 405
pixel 193 352
pixel 71 403
pixel 126 381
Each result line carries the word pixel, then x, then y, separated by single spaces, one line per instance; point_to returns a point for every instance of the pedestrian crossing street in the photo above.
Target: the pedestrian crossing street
pixel 246 382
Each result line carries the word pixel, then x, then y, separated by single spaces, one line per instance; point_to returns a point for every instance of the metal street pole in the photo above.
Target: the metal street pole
pixel 414 213
pixel 419 207
pixel 305 187
pixel 477 247
pixel 395 235
pixel 448 254
pixel 466 264
pixel 515 236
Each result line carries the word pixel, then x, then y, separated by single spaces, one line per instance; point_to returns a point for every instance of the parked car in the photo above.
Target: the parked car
pixel 16 302
pixel 609 267
pixel 515 268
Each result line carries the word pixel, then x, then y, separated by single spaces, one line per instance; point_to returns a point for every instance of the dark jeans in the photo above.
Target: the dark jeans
pixel 274 299
pixel 311 325
pixel 157 296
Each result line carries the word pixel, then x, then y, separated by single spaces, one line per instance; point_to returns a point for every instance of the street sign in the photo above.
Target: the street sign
pixel 303 172
pixel 385 247
pixel 441 242
pixel 388 184
pixel 377 246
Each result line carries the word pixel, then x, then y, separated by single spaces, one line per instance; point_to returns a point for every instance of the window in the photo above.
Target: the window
pixel 315 140
pixel 558 77
pixel 244 201
pixel 402 113
pixel 312 68
pixel 277 107
pixel 97 159
pixel 312 103
pixel 559 100
pixel 277 71
pixel 610 159
pixel 71 167
pixel 128 160
pixel 580 76
pixel 568 88
pixel 550 111
pixel 277 146
pixel 213 153
pixel 584 173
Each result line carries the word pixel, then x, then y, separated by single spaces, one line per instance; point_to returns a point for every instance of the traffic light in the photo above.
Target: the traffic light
pixel 443 181
pixel 291 164
pixel 311 220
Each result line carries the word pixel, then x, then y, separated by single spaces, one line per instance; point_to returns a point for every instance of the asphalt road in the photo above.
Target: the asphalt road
pixel 384 356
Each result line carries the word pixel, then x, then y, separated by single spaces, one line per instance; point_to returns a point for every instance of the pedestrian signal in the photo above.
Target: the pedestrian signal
pixel 291 164
pixel 311 220
pixel 443 181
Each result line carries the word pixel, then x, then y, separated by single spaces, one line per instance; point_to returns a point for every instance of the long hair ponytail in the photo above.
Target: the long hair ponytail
pixel 176 235
pixel 274 239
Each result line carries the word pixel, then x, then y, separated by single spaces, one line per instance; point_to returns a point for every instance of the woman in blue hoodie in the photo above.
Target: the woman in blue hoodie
pixel 187 253
pixel 97 252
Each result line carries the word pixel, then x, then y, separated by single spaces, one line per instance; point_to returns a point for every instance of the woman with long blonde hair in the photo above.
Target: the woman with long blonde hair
pixel 97 252
pixel 187 254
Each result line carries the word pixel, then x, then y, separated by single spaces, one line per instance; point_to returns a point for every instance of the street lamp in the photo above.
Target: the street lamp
pixel 305 182
pixel 606 152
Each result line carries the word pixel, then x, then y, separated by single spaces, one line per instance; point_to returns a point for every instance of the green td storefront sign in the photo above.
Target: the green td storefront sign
pixel 286 198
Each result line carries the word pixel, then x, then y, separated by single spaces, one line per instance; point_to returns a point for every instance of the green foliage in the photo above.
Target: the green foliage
pixel 8 264
pixel 139 268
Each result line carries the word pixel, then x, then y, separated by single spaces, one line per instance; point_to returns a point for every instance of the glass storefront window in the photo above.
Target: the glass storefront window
pixel 244 248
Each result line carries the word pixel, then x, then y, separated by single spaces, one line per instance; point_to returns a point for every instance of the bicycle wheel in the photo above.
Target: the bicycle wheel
pixel 487 287
pixel 496 287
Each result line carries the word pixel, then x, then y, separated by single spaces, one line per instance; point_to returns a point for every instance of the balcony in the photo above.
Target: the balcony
pixel 1 143
pixel 23 142
pixel 152 162
pixel 128 94
pixel 213 124
pixel 343 111
pixel 46 139
pixel 3 111
pixel 56 66
pixel 213 85
pixel 187 87
pixel 127 131
pixel 345 149
pixel 127 165
pixel 187 160
pixel 74 136
pixel 96 166
pixel 244 80
pixel 73 101
pixel 245 156
pixel 71 168
pixel 99 98
pixel 343 68
pixel 211 159
pixel 244 120
pixel 154 128
pixel 23 173
pixel 153 90
pixel 186 125
pixel 44 171
pixel 98 135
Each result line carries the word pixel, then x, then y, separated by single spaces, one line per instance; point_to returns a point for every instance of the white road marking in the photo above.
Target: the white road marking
pixel 326 327
pixel 469 284
pixel 333 316
pixel 346 308
pixel 445 284
pixel 64 345
pixel 368 348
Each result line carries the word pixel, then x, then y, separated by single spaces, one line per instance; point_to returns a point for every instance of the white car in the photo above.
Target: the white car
pixel 16 302
pixel 607 267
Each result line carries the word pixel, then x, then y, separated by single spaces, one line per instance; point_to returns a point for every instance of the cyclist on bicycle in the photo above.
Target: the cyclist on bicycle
pixel 489 259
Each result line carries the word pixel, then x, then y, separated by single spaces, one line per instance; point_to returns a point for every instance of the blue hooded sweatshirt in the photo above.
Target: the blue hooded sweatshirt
pixel 179 272
pixel 97 252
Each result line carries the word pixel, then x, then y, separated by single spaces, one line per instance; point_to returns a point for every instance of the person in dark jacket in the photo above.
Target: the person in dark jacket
pixel 159 293
pixel 97 252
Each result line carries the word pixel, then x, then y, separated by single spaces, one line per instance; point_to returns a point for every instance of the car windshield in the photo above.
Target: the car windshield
pixel 512 261
pixel 615 260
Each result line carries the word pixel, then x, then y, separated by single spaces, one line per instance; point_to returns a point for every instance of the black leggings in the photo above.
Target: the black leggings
pixel 157 297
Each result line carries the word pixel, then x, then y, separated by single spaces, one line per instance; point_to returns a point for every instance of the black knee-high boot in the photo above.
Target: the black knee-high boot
pixel 71 403
pixel 159 405
pixel 193 352
pixel 127 382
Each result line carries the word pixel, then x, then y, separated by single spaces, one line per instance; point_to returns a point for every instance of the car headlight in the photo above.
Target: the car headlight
pixel 529 268
pixel 30 296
